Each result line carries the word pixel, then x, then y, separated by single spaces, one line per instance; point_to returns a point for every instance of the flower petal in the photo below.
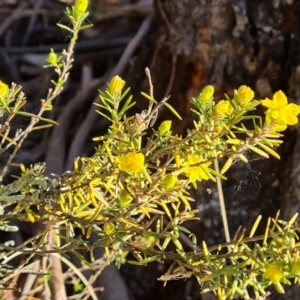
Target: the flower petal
pixel 268 103
pixel 280 99
pixel 291 119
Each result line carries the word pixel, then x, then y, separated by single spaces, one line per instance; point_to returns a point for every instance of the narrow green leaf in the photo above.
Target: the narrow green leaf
pixel 86 26
pixel 65 255
pixel 177 243
pixel 213 172
pixel 269 150
pixel 258 151
pixel 151 233
pixel 48 121
pixel 172 110
pixel 183 229
pixel 163 204
pixel 65 27
pixel 41 127
pixel 136 263
pixel 271 142
pixel 250 117
pixel 126 106
pixel 119 258
pixel 273 135
pixel 166 243
pixel 83 260
pixel 105 103
pixel 124 94
pixel 227 165
pixel 104 115
pixel 234 141
pixel 185 201
pixel 148 97
pixel 243 158
pixel 196 112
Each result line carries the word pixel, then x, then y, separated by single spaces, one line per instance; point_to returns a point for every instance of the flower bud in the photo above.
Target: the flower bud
pixel 125 198
pixel 52 58
pixel 80 6
pixel 169 181
pixel 115 86
pixel 244 95
pixel 109 228
pixel 164 127
pixel 223 108
pixel 206 95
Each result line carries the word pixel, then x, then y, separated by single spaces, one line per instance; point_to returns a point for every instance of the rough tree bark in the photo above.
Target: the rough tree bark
pixel 228 43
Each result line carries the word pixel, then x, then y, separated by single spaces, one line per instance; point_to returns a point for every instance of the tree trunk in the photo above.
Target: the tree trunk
pixel 227 44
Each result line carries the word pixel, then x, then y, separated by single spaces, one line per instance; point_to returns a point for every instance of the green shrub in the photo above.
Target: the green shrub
pixel 136 198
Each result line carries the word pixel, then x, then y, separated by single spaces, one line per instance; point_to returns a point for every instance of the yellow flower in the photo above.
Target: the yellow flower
pixel 244 95
pixel 131 162
pixel 279 109
pixel 279 101
pixel 206 95
pixel 198 173
pixel 115 86
pixel 192 159
pixel 3 89
pixel 274 273
pixel 164 127
pixel 169 182
pixel 223 108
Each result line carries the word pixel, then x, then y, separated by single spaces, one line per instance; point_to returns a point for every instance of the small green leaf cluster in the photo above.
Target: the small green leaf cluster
pixel 12 99
pixel 242 270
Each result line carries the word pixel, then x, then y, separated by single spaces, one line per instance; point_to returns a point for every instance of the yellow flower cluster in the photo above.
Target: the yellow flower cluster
pixel 243 96
pixel 280 112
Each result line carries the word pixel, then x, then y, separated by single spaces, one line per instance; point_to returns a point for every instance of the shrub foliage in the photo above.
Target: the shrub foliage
pixel 134 192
